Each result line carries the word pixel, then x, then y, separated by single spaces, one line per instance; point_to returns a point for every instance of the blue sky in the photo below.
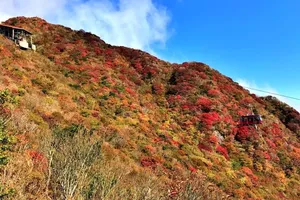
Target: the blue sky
pixel 255 42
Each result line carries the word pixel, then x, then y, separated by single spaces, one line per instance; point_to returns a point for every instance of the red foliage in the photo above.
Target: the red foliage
pixel 158 139
pixel 223 151
pixel 276 129
pixel 150 148
pixel 267 156
pixel 158 88
pixel 108 52
pixel 83 52
pixel 108 64
pixel 71 67
pixel 184 87
pixel 270 143
pixel 209 119
pixel 130 91
pixel 95 74
pixel 95 114
pixel 234 131
pixel 204 103
pixel 243 111
pixel 192 169
pixel 98 51
pixel 5 52
pixel 226 88
pixel 186 107
pixel 138 66
pixel 249 173
pixel 203 75
pixel 213 139
pixel 243 133
pixel 173 193
pixel 149 71
pixel 213 93
pixel 22 139
pixel 185 64
pixel 174 142
pixel 205 147
pixel 39 160
pixel 282 196
pixel 228 119
pixel 247 100
pixel 149 162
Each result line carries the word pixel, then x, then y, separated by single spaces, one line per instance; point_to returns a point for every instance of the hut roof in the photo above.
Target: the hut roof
pixel 14 27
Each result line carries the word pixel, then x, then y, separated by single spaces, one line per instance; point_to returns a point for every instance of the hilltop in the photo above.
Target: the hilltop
pixel 82 119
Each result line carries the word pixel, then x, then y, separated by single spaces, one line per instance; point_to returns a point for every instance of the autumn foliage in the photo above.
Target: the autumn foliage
pixel 78 110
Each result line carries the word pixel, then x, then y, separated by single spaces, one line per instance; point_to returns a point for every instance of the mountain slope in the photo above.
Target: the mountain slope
pixel 288 115
pixel 81 108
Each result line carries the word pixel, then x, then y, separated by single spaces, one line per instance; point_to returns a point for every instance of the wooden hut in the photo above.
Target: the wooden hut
pixel 19 35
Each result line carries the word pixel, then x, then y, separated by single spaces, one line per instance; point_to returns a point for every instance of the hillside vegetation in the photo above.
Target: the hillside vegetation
pixel 81 119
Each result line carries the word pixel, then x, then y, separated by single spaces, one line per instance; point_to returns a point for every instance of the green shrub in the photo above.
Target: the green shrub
pixel 6 96
pixel 6 193
pixel 6 143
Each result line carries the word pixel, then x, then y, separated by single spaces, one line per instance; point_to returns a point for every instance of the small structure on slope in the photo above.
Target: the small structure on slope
pixel 252 119
pixel 20 36
pixel 249 120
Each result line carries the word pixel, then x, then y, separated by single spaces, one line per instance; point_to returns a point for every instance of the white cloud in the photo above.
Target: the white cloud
pixel 138 24
pixel 42 8
pixel 251 84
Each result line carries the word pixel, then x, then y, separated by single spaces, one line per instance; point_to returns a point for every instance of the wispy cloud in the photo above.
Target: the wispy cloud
pixel 251 84
pixel 138 24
